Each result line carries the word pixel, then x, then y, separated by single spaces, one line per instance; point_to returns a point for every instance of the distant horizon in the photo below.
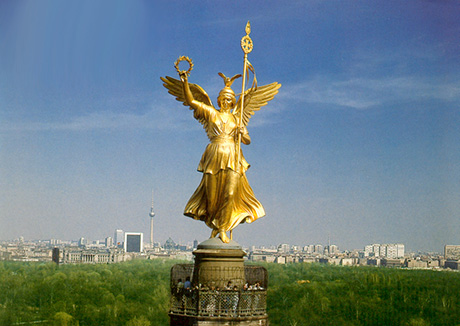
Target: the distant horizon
pixel 361 145
pixel 247 246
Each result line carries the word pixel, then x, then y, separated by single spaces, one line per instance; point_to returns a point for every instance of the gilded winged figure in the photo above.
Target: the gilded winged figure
pixel 223 198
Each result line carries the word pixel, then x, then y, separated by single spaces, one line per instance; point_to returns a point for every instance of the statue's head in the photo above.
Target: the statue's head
pixel 227 99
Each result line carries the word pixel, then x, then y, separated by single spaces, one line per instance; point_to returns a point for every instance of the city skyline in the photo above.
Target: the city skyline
pixel 110 241
pixel 361 144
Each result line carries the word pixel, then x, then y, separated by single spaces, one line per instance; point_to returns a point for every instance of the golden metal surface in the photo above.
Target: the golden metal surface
pixel 183 58
pixel 246 46
pixel 224 198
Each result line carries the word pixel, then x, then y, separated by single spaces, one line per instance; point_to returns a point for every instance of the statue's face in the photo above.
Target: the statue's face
pixel 226 102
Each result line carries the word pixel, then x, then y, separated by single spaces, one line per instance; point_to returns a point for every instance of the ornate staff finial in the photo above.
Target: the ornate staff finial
pixel 248 28
pixel 246 46
pixel 246 41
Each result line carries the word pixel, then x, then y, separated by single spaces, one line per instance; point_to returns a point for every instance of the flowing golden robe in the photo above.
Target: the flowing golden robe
pixel 224 198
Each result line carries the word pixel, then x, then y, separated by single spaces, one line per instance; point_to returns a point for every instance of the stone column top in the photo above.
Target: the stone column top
pixel 216 243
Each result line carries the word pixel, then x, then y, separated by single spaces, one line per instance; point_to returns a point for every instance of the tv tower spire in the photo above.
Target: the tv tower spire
pixel 151 214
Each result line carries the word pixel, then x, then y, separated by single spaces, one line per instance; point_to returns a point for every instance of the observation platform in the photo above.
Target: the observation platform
pixel 222 290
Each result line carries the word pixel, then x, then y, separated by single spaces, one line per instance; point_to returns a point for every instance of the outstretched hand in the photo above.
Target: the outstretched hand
pixel 183 75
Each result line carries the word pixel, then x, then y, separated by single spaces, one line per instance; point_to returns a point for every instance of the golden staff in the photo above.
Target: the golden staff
pixel 246 46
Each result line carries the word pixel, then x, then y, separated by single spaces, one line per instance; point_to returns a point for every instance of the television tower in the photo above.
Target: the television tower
pixel 151 214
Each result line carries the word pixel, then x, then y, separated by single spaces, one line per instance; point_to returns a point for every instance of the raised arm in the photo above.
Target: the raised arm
pixel 194 104
pixel 202 111
pixel 190 95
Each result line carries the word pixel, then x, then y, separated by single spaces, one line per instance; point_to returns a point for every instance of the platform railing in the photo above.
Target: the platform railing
pixel 223 303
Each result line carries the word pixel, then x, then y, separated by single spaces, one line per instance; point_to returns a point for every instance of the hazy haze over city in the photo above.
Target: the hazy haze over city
pixel 362 143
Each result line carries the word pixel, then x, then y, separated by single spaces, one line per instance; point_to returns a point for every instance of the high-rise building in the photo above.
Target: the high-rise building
pixel 399 250
pixel 319 249
pixel 55 242
pixel 119 238
pixel 452 252
pixel 55 255
pixel 395 250
pixel 368 251
pixel 82 242
pixel 134 242
pixel 333 249
pixel 284 248
pixel 109 242
pixel 376 249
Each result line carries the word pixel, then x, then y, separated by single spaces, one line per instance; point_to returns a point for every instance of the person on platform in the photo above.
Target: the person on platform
pixel 187 283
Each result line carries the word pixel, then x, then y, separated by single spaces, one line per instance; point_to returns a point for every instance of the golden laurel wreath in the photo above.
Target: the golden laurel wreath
pixel 183 58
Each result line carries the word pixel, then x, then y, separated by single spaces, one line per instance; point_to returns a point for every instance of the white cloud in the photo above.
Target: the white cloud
pixel 156 118
pixel 364 93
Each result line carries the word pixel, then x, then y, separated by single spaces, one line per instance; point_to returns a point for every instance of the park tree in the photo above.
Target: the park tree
pixel 63 319
pixel 139 321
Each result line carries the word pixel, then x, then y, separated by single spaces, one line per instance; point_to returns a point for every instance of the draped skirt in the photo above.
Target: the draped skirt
pixel 224 200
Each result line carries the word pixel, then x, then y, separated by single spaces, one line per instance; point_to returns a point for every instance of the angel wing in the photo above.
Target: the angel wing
pixel 176 89
pixel 254 99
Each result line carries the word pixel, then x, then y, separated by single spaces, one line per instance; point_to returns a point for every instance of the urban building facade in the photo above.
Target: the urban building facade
pixel 392 251
pixel 92 256
pixel 134 242
pixel 119 238
pixel 452 252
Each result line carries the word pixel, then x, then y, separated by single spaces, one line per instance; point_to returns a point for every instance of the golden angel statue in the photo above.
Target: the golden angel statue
pixel 223 198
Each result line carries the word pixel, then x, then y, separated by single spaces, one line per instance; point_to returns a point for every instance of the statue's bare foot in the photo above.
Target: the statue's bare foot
pixel 223 237
pixel 214 233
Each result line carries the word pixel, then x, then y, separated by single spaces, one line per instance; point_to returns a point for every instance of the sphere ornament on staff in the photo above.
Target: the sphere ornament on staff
pixel 224 198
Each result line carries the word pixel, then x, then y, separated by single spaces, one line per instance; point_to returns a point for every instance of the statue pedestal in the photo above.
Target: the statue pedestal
pixel 217 263
pixel 208 302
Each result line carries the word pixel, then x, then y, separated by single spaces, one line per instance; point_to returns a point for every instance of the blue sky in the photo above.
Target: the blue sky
pixel 362 143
